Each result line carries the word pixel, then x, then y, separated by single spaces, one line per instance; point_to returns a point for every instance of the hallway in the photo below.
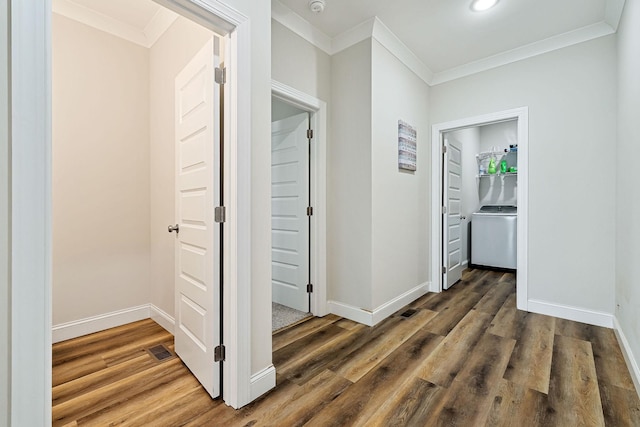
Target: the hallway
pixel 465 357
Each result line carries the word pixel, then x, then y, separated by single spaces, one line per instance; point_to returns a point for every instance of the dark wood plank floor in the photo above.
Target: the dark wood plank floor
pixel 467 357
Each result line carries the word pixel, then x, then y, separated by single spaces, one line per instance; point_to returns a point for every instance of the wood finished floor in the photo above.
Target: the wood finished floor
pixel 467 357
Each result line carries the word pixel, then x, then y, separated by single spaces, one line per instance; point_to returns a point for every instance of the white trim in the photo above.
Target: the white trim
pixel 30 87
pixel 351 312
pixel 528 51
pixel 629 357
pixel 522 115
pixel 353 36
pixel 162 318
pixel 89 325
pixel 613 14
pixel 388 308
pixel 400 50
pixel 262 382
pixel 371 318
pixel 159 24
pixel 101 322
pixel 300 26
pixel 577 314
pixel 318 110
pixel 145 37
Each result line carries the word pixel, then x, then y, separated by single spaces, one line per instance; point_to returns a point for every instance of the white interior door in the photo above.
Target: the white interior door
pixel 453 197
pixel 197 292
pixel 289 221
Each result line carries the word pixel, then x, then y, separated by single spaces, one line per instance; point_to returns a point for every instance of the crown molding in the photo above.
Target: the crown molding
pixel 300 26
pixel 376 29
pixel 538 48
pixel 353 36
pixel 613 13
pixel 400 50
pixel 160 22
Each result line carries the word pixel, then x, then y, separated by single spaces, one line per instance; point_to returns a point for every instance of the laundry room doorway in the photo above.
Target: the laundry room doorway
pixel 469 172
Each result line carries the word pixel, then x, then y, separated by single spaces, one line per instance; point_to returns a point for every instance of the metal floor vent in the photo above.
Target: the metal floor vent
pixel 408 313
pixel 160 352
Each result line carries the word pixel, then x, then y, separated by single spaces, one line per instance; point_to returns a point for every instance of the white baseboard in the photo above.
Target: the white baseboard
pixel 162 318
pixel 261 382
pixel 629 357
pixel 371 318
pixel 89 325
pixel 576 314
pixel 351 312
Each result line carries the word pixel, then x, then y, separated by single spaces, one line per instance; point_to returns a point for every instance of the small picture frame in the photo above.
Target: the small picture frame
pixel 407 152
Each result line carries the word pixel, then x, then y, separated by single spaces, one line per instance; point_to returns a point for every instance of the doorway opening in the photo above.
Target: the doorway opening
pixel 298 204
pixel 462 184
pixel 138 141
pixel 291 213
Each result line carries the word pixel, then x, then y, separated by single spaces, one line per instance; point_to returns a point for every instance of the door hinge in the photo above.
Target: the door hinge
pixel 444 209
pixel 309 133
pixel 220 75
pixel 444 149
pixel 219 353
pixel 309 210
pixel 309 288
pixel 444 270
pixel 220 214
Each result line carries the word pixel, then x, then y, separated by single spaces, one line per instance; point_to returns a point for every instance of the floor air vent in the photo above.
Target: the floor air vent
pixel 408 313
pixel 160 352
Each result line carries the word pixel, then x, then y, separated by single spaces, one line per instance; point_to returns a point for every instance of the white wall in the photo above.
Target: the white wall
pixel 469 139
pixel 297 63
pixel 627 289
pixel 100 172
pixel 349 216
pixel 400 236
pixel 571 95
pixel 5 224
pixel 167 57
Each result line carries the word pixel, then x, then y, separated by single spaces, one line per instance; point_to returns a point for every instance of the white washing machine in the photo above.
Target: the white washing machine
pixel 494 231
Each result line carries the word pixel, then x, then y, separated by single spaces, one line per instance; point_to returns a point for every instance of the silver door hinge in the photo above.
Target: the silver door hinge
pixel 309 210
pixel 444 270
pixel 444 209
pixel 220 75
pixel 309 133
pixel 444 149
pixel 309 288
pixel 219 353
pixel 220 214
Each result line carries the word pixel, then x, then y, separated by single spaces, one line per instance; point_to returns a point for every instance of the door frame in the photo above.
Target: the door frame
pixel 317 110
pixel 30 257
pixel 437 132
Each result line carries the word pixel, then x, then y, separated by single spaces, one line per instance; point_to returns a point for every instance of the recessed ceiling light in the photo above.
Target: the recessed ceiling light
pixel 481 5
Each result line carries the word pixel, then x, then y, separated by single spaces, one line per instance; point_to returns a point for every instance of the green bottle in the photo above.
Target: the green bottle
pixel 503 166
pixel 492 166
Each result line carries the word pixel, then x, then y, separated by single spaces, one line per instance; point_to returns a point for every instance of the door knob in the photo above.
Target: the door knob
pixel 462 217
pixel 175 228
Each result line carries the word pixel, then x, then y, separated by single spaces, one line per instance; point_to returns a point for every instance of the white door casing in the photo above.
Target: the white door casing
pixel 289 221
pixel 452 220
pixel 197 291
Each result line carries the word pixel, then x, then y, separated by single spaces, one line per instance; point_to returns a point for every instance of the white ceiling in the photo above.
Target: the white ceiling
pixel 440 39
pixel 446 34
